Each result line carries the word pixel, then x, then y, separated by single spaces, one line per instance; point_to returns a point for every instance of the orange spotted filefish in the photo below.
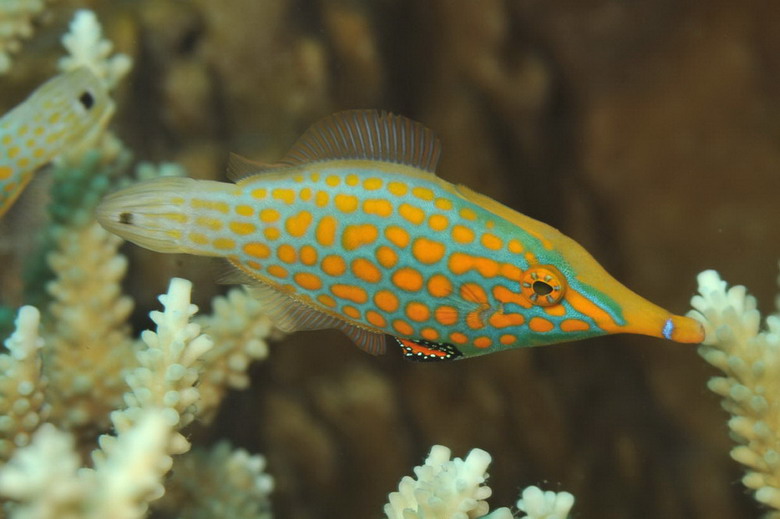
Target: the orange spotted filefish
pixel 352 230
pixel 63 112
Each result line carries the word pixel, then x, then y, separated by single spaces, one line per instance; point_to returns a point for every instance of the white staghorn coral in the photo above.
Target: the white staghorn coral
pixel 750 360
pixel 219 482
pixel 168 366
pixel 239 327
pixel 44 479
pixel 87 48
pixel 88 343
pixel 22 404
pixel 445 488
pixel 538 504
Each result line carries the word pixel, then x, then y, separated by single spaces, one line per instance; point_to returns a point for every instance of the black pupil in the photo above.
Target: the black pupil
pixel 87 100
pixel 541 288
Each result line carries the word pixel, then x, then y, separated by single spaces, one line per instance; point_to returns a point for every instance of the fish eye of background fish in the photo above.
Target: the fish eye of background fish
pixel 352 230
pixel 62 113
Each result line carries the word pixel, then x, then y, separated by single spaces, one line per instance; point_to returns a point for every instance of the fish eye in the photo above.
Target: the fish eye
pixel 543 285
pixel 87 100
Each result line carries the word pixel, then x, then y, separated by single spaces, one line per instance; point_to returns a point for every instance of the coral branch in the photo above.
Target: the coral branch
pixel 750 359
pixel 22 405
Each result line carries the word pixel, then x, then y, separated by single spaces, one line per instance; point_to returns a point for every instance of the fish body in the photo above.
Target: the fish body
pixel 63 112
pixel 357 234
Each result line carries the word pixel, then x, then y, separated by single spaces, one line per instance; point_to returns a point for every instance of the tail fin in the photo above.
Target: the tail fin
pixel 151 214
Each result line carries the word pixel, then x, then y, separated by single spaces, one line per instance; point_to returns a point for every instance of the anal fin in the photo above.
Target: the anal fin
pixel 424 350
pixel 291 315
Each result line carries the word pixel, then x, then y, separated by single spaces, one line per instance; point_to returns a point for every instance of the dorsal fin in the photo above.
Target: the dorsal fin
pixel 238 167
pixel 369 135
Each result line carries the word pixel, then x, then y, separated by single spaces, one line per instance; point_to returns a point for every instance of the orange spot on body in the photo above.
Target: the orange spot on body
pixel 326 231
pixel 372 184
pixel 586 307
pixel 540 324
pixel 462 234
pixel 474 293
pixel 278 271
pixel 334 265
pixel 458 338
pixel 417 311
pixel 443 203
pixel 386 256
pixel 509 271
pixel 321 198
pixel 242 228
pixel 253 265
pixel 259 193
pixel 350 311
pixel 5 172
pixel 271 233
pixel 308 281
pixel 468 214
pixel 355 236
pixel 326 300
pixel 305 194
pixel 386 300
pixel 556 310
pixel 504 295
pixel 507 339
pixel 446 315
pixel 224 244
pixel 427 251
pixel 308 255
pixel 199 238
pixel 269 215
pixel 460 263
pixel 502 320
pixel 352 180
pixel 407 279
pixel 378 206
pixel 423 193
pixel 397 236
pixel 376 319
pixel 349 292
pixel 491 241
pixel 474 320
pixel 403 327
pixel 438 222
pixel 285 195
pixel 332 180
pixel 297 225
pixel 365 270
pixel 346 203
pixel 257 250
pixel 208 222
pixel 574 325
pixel 483 342
pixel 412 214
pixel 429 333
pixel 286 253
pixel 439 285
pixel 397 188
pixel 515 246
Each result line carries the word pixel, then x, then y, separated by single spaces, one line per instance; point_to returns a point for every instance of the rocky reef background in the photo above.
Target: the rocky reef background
pixel 648 131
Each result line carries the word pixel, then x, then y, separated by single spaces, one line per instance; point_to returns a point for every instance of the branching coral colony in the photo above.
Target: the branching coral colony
pixel 79 346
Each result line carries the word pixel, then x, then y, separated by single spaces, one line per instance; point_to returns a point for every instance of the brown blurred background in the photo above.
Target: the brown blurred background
pixel 648 131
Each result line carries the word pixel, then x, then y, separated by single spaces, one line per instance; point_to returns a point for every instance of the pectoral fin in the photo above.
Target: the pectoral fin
pixel 290 315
